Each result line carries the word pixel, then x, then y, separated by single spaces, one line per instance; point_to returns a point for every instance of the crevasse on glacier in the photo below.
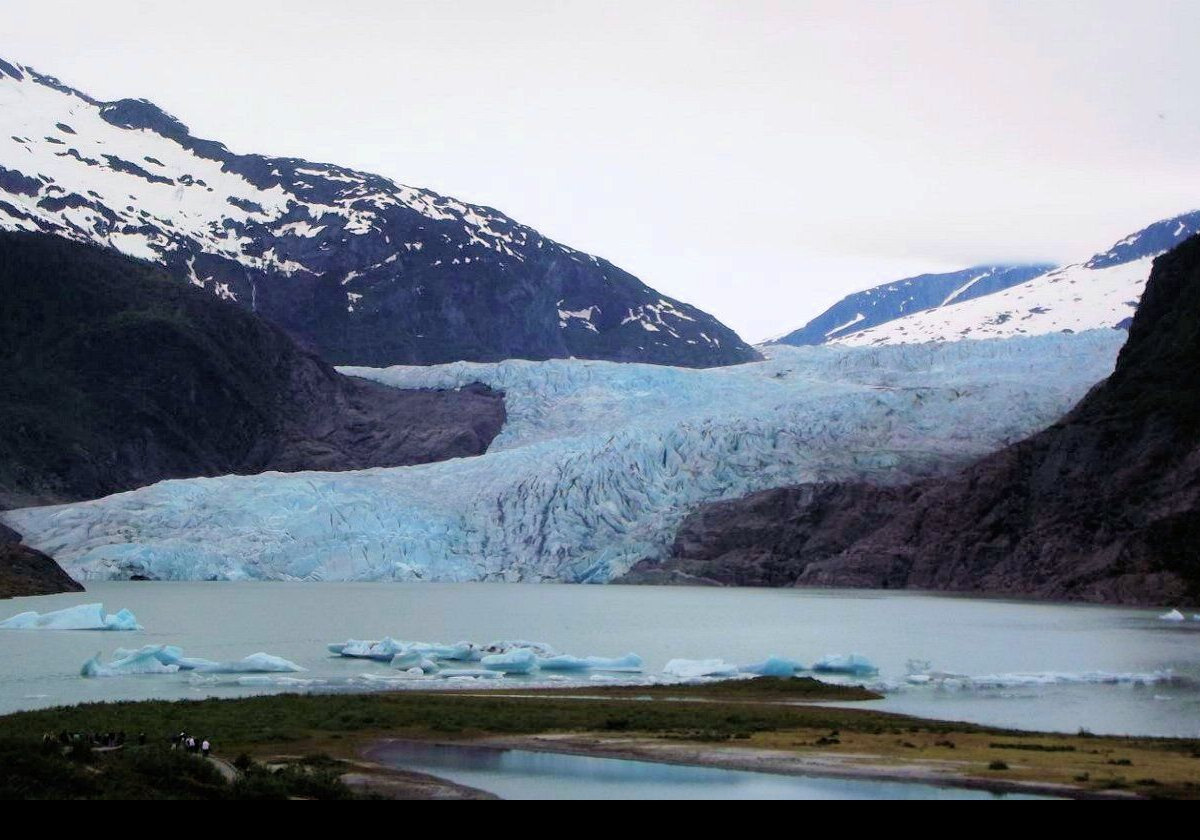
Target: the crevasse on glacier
pixel 596 467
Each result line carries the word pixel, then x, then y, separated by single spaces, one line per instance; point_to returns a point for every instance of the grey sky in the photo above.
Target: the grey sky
pixel 758 159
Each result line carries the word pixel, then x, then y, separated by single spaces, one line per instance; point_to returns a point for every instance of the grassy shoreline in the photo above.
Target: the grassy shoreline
pixel 772 725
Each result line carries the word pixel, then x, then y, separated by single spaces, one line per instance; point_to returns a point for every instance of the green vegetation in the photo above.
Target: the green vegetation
pixel 30 771
pixel 273 732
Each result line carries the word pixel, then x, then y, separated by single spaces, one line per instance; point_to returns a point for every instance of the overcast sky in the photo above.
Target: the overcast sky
pixel 757 159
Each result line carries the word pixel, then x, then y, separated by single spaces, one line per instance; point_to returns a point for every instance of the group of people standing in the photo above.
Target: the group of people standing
pixel 88 739
pixel 191 743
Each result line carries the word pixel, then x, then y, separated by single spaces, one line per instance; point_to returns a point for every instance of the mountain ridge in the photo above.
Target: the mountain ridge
pixel 354 265
pixel 114 375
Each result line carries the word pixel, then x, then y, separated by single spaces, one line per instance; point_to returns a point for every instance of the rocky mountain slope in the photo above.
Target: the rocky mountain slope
pixel 25 571
pixel 359 268
pixel 1104 505
pixel 113 375
pixel 1097 293
pixel 882 304
pixel 595 468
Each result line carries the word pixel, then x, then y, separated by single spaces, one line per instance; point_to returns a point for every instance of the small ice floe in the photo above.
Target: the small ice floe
pixel 856 665
pixel 1171 615
pixel 695 668
pixel 628 662
pixel 540 649
pixel 82 617
pixel 274 681
pixel 947 681
pixel 469 673
pixel 773 666
pixel 169 659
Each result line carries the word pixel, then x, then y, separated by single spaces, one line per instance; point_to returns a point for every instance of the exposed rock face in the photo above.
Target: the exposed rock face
pixel 362 269
pixel 1102 506
pixel 24 571
pixel 113 376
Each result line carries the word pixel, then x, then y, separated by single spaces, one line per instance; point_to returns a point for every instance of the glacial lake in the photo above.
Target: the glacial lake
pixel 1028 665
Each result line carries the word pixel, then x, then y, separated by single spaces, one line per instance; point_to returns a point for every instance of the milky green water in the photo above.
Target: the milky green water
pixel 1048 660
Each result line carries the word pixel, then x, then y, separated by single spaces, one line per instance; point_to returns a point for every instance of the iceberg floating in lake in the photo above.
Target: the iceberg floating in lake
pixel 169 659
pixel 773 666
pixel 255 663
pixel 537 648
pixel 693 668
pixel 1172 615
pixel 595 468
pixel 515 661
pixel 855 665
pixel 144 661
pixel 383 650
pixel 628 662
pixel 81 617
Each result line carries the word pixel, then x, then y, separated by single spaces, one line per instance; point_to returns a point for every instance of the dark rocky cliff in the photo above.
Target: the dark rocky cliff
pixel 1102 506
pixel 24 571
pixel 113 376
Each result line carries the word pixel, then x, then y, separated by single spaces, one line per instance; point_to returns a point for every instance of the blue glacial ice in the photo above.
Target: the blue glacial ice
pixel 81 617
pixel 854 664
pixel 515 661
pixel 516 657
pixel 773 666
pixel 629 662
pixel 596 467
pixel 169 659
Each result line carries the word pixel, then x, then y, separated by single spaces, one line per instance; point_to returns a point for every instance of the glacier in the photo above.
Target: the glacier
pixel 595 468
pixel 81 617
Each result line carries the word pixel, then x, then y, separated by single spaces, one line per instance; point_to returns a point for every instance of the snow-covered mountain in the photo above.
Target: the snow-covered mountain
pixel 363 269
pixel 1100 292
pixel 595 468
pixel 870 308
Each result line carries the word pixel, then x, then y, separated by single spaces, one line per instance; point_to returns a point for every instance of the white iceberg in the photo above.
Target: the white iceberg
pixel 144 661
pixel 469 673
pixel 855 665
pixel 457 652
pixel 537 648
pixel 383 650
pixel 694 668
pixel 255 663
pixel 387 649
pixel 1171 615
pixel 628 662
pixel 81 617
pixel 413 659
pixel 773 666
pixel 169 659
pixel 515 661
